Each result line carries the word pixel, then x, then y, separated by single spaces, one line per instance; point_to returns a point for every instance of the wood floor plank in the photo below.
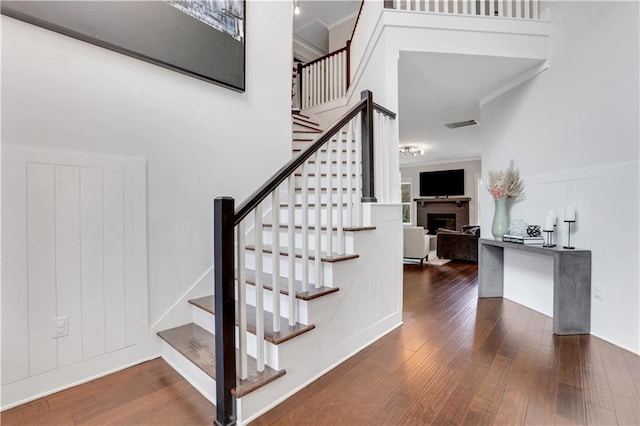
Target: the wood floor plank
pixel 455 360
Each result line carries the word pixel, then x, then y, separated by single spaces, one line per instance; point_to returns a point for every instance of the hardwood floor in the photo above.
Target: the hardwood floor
pixel 456 360
pixel 460 360
pixel 151 393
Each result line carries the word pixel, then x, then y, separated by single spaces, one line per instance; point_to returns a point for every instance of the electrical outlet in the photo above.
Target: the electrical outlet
pixel 598 292
pixel 61 325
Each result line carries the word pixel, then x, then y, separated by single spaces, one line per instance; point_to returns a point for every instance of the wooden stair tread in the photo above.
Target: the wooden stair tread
pixel 297 118
pixel 324 228
pixel 313 174
pixel 297 111
pixel 198 346
pixel 286 204
pixel 308 126
pixel 286 331
pixel 332 258
pixel 312 293
pixel 299 189
pixel 308 131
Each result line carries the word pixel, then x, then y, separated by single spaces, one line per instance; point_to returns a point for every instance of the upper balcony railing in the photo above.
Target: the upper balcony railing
pixel 520 9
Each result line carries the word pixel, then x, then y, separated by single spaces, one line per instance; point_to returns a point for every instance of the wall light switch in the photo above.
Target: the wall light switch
pixel 61 326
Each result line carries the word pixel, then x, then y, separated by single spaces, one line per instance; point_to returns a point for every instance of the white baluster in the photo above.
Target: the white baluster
pixel 275 265
pixel 330 146
pixel 535 4
pixel 465 7
pixel 291 252
pixel 305 229
pixel 501 8
pixel 527 13
pixel 350 173
pixel 455 6
pixel 472 3
pixel 340 186
pixel 518 8
pixel 483 8
pixel 339 75
pixel 318 222
pixel 510 8
pixel 259 290
pixel 334 77
pixel 241 302
pixel 395 4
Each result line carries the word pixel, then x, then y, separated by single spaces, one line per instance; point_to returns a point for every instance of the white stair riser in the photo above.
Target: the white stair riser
pixel 206 320
pixel 326 267
pixel 301 305
pixel 284 239
pixel 192 373
pixel 324 197
pixel 326 182
pixel 333 144
pixel 311 215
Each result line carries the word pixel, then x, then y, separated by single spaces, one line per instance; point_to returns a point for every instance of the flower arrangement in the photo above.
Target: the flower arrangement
pixel 505 184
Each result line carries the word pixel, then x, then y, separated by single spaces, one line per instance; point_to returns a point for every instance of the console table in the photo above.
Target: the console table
pixel 571 281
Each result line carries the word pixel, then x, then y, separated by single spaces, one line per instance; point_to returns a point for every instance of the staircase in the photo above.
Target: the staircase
pixel 287 332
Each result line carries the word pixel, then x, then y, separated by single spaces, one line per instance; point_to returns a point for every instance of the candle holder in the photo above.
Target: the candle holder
pixel 569 246
pixel 548 238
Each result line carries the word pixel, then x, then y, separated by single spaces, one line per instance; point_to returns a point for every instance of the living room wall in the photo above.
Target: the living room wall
pixel 199 140
pixel 573 132
pixel 471 175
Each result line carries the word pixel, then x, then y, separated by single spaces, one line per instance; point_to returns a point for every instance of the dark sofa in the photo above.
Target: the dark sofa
pixel 458 245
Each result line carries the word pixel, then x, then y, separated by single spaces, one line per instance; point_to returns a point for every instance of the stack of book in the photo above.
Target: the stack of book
pixel 522 239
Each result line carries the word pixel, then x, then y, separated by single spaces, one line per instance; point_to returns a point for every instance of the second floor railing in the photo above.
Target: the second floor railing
pixel 521 9
pixel 324 79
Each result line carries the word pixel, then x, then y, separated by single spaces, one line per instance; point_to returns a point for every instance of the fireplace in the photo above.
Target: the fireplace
pixel 434 213
pixel 440 220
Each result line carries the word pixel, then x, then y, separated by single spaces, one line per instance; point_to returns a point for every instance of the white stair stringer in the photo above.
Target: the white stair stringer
pixel 368 306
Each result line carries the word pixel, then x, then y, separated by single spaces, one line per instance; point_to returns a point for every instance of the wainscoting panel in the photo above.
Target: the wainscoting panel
pixel 80 257
pixel 607 211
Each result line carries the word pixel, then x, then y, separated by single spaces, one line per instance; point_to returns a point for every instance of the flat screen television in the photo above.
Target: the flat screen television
pixel 442 183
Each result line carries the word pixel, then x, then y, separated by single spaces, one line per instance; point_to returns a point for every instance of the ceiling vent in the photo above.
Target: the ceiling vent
pixel 461 124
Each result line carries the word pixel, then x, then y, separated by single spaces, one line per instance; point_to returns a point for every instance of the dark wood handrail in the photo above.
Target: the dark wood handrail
pixel 357 19
pixel 385 111
pixel 288 169
pixel 335 52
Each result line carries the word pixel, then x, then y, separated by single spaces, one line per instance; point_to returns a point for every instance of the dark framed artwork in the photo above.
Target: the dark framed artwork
pixel 201 38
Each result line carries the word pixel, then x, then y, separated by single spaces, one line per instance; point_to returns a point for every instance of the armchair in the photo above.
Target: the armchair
pixel 416 244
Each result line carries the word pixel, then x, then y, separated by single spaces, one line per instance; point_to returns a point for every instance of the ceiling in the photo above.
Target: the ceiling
pixel 312 25
pixel 439 88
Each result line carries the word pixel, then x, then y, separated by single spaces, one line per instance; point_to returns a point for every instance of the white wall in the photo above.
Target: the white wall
pixel 340 33
pixel 200 140
pixel 573 132
pixel 471 174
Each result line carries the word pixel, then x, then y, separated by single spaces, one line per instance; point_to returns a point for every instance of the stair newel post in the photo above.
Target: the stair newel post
pixel 368 172
pixel 317 219
pixel 259 288
pixel 225 304
pixel 291 242
pixel 342 144
pixel 299 88
pixel 305 228
pixel 275 257
pixel 348 67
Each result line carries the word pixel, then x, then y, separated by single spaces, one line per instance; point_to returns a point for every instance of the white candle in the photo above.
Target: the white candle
pixel 570 213
pixel 548 222
pixel 552 213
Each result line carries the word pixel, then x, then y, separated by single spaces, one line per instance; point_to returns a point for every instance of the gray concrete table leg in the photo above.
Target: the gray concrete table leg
pixel 490 271
pixel 572 293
